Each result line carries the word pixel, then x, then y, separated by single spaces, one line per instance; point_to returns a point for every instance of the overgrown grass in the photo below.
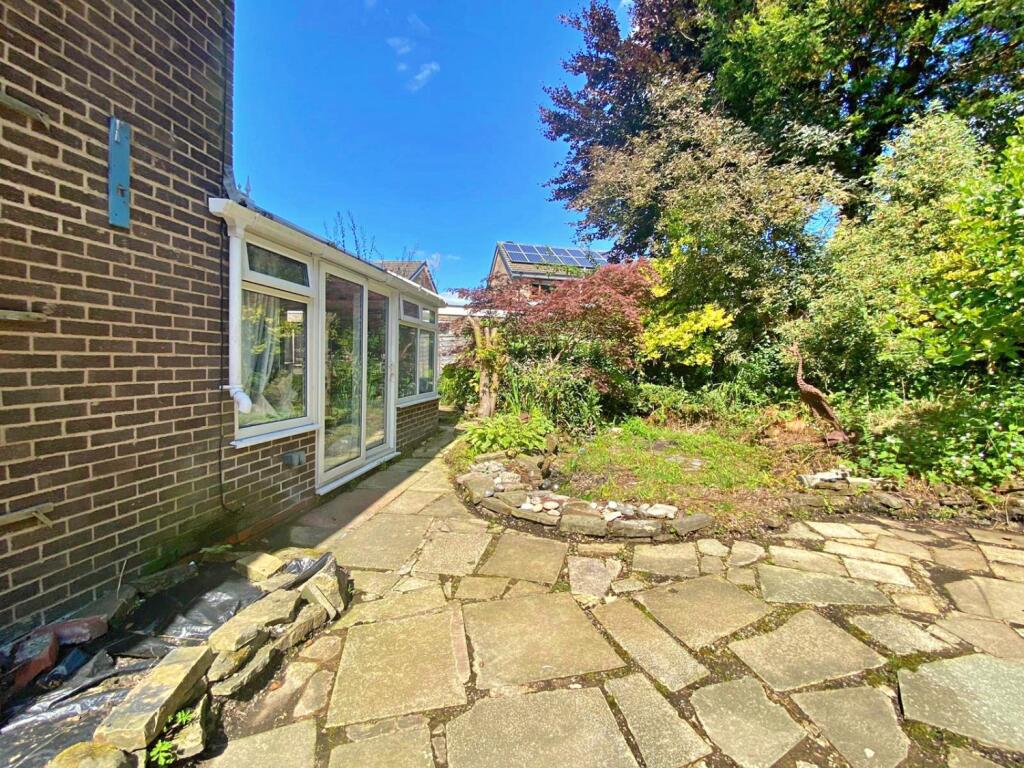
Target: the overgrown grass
pixel 640 462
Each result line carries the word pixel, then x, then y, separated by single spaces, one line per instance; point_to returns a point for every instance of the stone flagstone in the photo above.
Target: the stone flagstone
pixel 703 610
pixel 534 638
pixel 866 553
pixel 860 722
pixel 266 750
pixel 453 554
pixel 785 585
pixel 411 502
pixel 590 577
pixel 806 649
pixel 748 727
pixel 835 530
pixel 987 635
pixel 667 559
pixel 960 558
pixel 447 506
pixel 745 553
pixel 977 696
pixel 519 556
pixel 552 729
pixel 384 542
pixel 964 758
pixel 315 697
pixel 394 606
pixel 1003 554
pixel 989 597
pixel 880 572
pixel 996 537
pixel 657 652
pixel 136 721
pixel 899 635
pixel 373 583
pixel 901 546
pixel 806 560
pixel 480 587
pixel 664 738
pixel 406 748
pixel 398 667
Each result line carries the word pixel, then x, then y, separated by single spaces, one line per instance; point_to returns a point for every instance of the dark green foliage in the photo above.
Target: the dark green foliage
pixel 565 393
pixel 969 433
pixel 459 385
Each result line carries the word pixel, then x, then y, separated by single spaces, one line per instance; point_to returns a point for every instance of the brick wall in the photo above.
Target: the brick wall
pixel 110 408
pixel 414 423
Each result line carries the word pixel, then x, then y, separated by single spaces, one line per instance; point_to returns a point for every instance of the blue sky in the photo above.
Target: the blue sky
pixel 419 117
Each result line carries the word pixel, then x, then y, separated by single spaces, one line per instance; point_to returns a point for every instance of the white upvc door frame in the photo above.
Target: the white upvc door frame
pixel 327 480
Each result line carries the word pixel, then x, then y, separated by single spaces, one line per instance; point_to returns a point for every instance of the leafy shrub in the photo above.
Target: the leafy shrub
pixel 520 433
pixel 661 403
pixel 459 386
pixel 967 436
pixel 566 394
pixel 977 295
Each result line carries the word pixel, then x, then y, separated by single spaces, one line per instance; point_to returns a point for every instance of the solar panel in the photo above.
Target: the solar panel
pixel 577 258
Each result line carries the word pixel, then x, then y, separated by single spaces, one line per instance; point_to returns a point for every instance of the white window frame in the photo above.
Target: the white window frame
pixel 420 325
pixel 257 282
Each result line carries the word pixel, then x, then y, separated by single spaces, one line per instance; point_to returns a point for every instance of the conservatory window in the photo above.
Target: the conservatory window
pixel 274 346
pixel 274 343
pixel 277 266
pixel 417 352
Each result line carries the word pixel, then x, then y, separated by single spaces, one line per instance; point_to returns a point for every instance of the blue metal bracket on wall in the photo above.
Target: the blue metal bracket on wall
pixel 119 163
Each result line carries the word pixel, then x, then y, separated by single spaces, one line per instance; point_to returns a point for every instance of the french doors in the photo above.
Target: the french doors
pixel 356 362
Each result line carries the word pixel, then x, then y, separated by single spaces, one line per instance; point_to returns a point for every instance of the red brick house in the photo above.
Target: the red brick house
pixel 177 366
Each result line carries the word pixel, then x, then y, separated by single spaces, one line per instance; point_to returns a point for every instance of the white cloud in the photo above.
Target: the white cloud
pixel 401 66
pixel 369 4
pixel 417 25
pixel 453 299
pixel 401 45
pixel 424 76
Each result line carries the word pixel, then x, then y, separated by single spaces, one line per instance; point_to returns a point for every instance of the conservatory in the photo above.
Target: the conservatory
pixel 322 341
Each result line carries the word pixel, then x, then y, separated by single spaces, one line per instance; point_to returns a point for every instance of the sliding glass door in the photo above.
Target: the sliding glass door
pixel 355 374
pixel 376 370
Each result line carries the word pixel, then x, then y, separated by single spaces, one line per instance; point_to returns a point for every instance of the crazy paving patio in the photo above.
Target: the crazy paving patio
pixel 869 642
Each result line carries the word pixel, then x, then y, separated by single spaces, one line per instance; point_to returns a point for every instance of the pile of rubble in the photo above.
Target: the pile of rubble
pixel 838 490
pixel 299 591
pixel 519 488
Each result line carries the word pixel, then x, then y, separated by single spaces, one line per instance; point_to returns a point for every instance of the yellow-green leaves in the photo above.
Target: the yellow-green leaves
pixel 688 339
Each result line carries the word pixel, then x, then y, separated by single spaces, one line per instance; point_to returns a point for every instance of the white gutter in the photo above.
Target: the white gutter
pixel 290 235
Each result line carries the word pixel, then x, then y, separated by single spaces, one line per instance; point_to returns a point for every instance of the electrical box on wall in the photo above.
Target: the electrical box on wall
pixel 293 458
pixel 119 161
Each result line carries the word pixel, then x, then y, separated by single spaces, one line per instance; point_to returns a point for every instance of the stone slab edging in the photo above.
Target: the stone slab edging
pixel 516 488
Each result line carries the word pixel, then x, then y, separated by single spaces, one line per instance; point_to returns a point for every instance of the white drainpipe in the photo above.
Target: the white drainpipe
pixel 234 385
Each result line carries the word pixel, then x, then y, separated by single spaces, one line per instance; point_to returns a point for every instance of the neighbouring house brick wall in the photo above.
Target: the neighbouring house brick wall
pixel 415 422
pixel 111 408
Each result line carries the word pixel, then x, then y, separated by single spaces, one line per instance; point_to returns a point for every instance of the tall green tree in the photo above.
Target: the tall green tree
pixel 975 297
pixel 818 80
pixel 866 326
pixel 729 226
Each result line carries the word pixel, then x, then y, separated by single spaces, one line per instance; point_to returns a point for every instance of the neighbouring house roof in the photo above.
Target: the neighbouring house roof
pixel 417 271
pixel 520 260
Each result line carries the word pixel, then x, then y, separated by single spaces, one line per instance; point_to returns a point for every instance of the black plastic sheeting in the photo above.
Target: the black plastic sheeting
pixel 34 739
pixel 193 609
pixel 66 707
